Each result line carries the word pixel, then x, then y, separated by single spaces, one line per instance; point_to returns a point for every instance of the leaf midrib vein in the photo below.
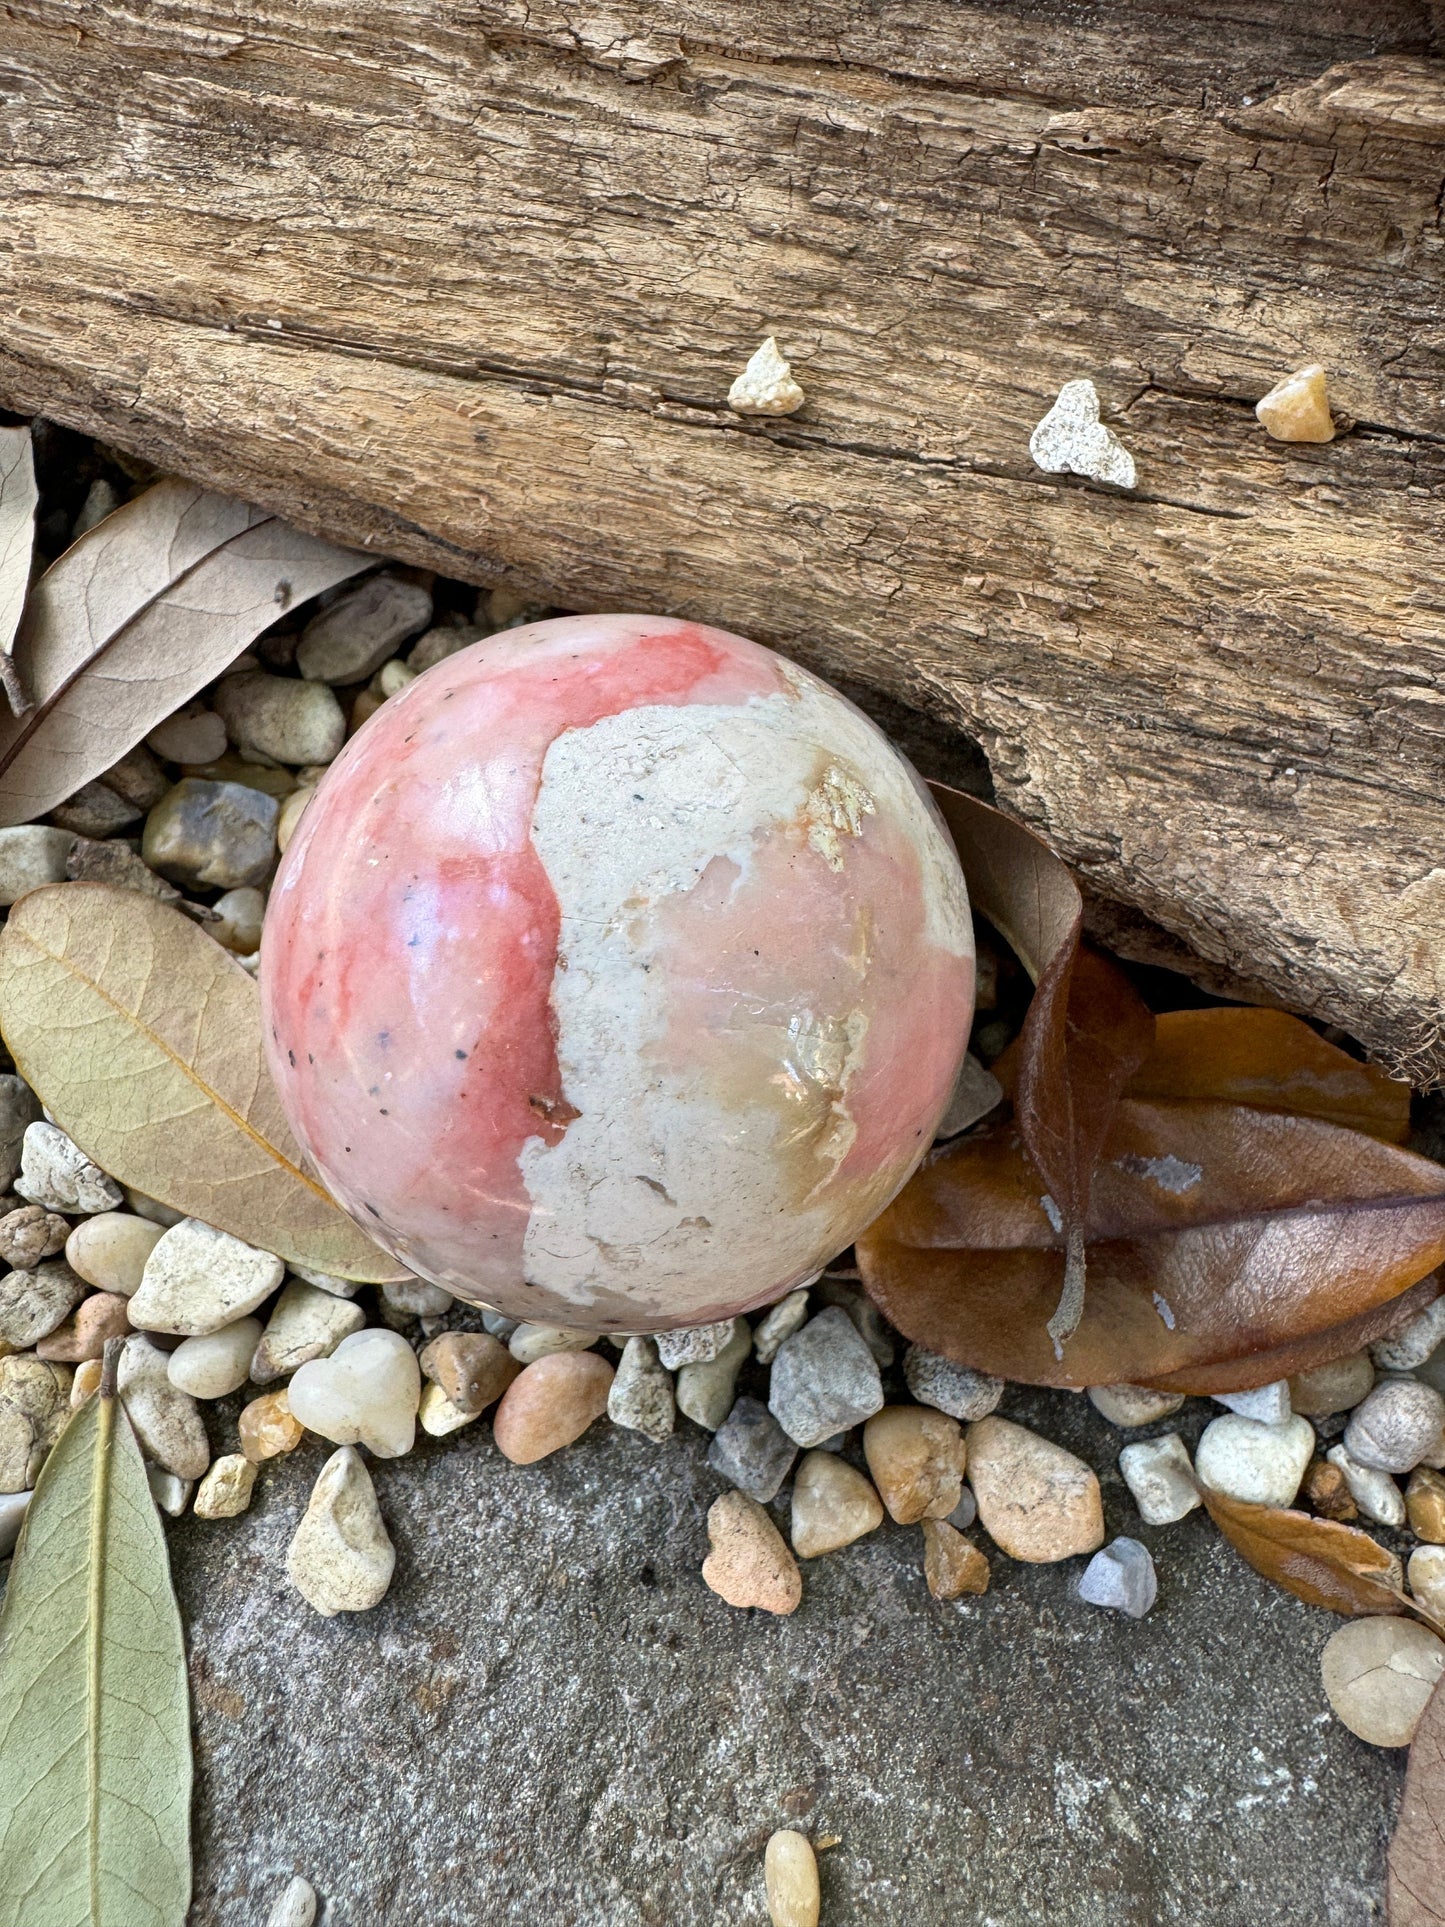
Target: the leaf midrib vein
pixel 153 1037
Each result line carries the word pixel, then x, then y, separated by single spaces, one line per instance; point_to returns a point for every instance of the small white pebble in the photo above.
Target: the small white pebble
pixel 56 1173
pixel 296 1907
pixel 341 1559
pixel 1373 1491
pixel 1412 1344
pixel 1126 1405
pixel 1268 1403
pixel 1072 440
pixel 766 385
pixel 1261 1464
pixel 790 1879
pixel 226 1489
pixel 1158 1473
pixel 530 1342
pixel 215 1363
pixel 367 1392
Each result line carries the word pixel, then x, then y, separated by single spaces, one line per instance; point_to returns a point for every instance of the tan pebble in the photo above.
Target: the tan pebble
pixel 363 709
pixel 292 810
pixel 832 1505
pixel 438 1416
pixel 226 1489
pixel 790 1880
pixel 749 1565
pixel 110 1249
pixel 1337 1387
pixel 83 1336
pixel 267 1427
pixel 1328 1492
pixel 1035 1500
pixel 470 1369
pixel 86 1383
pixel 1378 1676
pixel 549 1404
pixel 952 1565
pixel 1126 1405
pixel 1297 409
pixel 917 1458
pixel 1424 1500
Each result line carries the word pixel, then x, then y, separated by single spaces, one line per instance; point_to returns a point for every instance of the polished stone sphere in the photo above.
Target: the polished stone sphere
pixel 618 973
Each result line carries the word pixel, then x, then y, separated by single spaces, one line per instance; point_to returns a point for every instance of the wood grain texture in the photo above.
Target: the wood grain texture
pixel 467 284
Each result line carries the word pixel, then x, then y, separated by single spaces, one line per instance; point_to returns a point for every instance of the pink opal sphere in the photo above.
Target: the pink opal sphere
pixel 618 973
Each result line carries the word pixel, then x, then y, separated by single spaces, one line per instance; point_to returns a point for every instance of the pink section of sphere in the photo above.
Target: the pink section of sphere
pixel 618 973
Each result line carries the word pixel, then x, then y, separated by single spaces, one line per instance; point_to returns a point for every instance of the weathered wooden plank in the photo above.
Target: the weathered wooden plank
pixel 470 284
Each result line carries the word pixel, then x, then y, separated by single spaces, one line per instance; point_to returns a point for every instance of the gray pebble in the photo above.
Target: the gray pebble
pixel 868 1321
pixel 1397 1426
pixel 498 1324
pixel 1126 1405
pixel 780 1323
pixel 694 1345
pixel 353 636
pixel 1121 1576
pixel 206 835
pixel 33 1303
pixel 825 1379
pixel 751 1451
pixel 705 1392
pixel 95 810
pixel 31 854
pixel 19 1108
pixel 965 1512
pixel 1412 1344
pixel 281 718
pixel 641 1397
pixel 956 1389
pixel 975 1094
pixel 117 863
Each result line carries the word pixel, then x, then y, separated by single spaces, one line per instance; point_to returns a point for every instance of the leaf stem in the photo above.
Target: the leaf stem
pixel 1070 1308
pixel 110 1367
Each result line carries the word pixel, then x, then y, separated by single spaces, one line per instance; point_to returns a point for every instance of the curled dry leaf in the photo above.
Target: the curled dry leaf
pixel 1272 1062
pixel 1227 1247
pixel 144 610
pixel 1087 1030
pixel 1323 1563
pixel 17 542
pixel 95 1743
pixel 142 1037
pixel 1415 1881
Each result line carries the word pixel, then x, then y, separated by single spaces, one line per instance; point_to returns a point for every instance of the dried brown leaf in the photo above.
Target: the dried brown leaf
pixel 18 497
pixel 1415 1880
pixel 1227 1246
pixel 1318 1560
pixel 142 1037
pixel 144 610
pixel 1087 1030
pixel 1273 1062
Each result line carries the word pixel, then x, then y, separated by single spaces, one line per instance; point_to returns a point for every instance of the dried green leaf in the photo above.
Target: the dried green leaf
pixel 1415 1881
pixel 18 497
pixel 95 1744
pixel 1227 1247
pixel 1087 1030
pixel 1318 1560
pixel 1272 1062
pixel 144 610
pixel 142 1038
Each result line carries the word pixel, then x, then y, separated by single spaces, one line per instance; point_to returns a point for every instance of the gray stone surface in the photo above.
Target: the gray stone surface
pixel 549 1717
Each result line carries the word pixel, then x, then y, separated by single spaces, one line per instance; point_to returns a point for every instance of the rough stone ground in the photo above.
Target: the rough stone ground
pixel 549 1719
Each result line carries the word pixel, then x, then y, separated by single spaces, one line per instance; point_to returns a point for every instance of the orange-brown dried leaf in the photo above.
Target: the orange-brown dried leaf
pixel 1226 1246
pixel 1415 1881
pixel 1323 1563
pixel 1273 1062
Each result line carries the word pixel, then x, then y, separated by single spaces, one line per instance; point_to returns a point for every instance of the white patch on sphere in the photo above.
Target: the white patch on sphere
pixel 659 1190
